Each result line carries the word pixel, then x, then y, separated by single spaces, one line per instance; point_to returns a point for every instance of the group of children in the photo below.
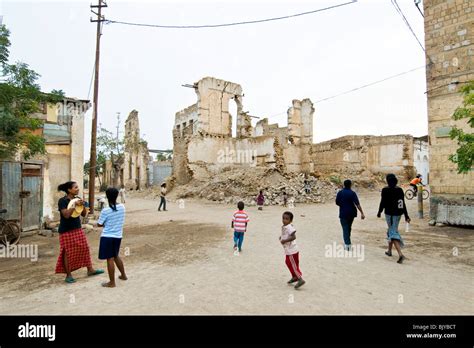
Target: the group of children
pixel 73 241
pixel 287 239
pixel 261 199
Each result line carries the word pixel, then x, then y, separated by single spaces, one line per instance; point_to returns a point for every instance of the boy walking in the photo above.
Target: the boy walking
pixel 287 239
pixel 240 220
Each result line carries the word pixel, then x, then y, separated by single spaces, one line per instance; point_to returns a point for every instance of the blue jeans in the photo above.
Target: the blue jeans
pixel 162 203
pixel 392 232
pixel 346 224
pixel 238 239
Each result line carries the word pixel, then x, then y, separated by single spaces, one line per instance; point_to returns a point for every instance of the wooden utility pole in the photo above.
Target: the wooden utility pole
pixel 93 158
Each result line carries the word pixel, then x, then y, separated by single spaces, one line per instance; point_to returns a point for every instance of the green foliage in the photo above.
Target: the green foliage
pixel 4 44
pixel 20 98
pixel 163 156
pixel 335 179
pixel 108 145
pixel 464 156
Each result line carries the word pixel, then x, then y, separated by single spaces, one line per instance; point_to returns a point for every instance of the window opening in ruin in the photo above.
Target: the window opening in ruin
pixel 233 116
pixel 178 128
pixel 191 125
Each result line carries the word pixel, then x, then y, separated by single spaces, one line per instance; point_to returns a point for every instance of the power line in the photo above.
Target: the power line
pixel 417 4
pixel 400 12
pixel 370 84
pixel 110 21
pixel 90 83
pixel 357 88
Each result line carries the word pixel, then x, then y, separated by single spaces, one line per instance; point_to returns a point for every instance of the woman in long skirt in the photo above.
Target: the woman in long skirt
pixel 74 248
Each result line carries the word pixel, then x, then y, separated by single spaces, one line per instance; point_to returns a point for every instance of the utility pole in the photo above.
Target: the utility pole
pixel 118 125
pixel 93 159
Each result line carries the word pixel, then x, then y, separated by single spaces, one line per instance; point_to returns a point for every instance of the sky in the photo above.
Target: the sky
pixel 314 56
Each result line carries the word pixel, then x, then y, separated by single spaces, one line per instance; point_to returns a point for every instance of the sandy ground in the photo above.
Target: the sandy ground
pixel 182 262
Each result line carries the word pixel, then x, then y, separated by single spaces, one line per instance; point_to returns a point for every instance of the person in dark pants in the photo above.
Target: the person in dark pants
pixel 348 203
pixel 162 197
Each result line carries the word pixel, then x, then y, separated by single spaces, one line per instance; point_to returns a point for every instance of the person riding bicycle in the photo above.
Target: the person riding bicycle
pixel 415 182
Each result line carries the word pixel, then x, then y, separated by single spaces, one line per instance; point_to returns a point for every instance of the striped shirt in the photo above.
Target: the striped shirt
pixel 112 221
pixel 240 220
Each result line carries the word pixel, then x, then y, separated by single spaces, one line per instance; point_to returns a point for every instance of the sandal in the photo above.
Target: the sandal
pixel 96 272
pixel 70 280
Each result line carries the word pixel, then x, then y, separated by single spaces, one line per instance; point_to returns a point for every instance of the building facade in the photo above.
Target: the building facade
pixel 449 41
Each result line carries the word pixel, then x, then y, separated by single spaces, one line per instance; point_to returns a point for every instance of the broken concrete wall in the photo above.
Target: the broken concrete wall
pixel 181 171
pixel 208 146
pixel 365 154
pixel 208 155
pixel 186 120
pixel 136 157
pixel 281 133
pixel 213 105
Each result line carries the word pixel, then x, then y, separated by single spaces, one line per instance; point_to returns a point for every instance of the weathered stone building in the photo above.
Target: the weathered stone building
pixel 132 167
pixel 203 142
pixel 136 157
pixel 366 155
pixel 449 39
pixel 28 189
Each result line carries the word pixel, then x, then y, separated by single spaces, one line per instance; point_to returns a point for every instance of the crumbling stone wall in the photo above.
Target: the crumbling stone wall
pixel 365 155
pixel 210 147
pixel 136 157
pixel 213 105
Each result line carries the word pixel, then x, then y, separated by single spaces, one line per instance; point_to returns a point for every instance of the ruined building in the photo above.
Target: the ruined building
pixel 203 140
pixel 136 157
pixel 449 41
pixel 130 168
pixel 204 145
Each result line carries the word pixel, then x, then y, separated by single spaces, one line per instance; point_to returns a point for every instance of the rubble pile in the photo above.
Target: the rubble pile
pixel 244 185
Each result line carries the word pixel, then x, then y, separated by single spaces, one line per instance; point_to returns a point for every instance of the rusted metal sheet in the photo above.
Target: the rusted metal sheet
pixel 31 205
pixel 10 187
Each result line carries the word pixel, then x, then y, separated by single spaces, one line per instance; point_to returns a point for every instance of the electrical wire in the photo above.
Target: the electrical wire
pixel 90 83
pixel 370 84
pixel 400 12
pixel 357 88
pixel 111 21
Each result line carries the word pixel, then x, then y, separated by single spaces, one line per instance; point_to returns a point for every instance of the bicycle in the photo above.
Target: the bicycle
pixel 10 231
pixel 410 193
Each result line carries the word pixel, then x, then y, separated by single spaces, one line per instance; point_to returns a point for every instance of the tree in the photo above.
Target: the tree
pixel 464 155
pixel 163 156
pixel 20 98
pixel 110 147
pixel 99 164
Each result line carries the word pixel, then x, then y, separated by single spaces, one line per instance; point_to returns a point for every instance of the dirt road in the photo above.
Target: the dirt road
pixel 182 262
